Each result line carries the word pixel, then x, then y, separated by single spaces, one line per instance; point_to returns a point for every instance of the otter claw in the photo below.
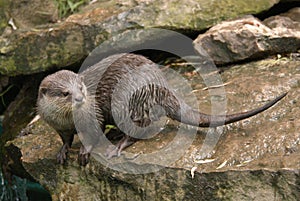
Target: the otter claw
pixel 83 156
pixel 120 146
pixel 61 156
pixel 112 151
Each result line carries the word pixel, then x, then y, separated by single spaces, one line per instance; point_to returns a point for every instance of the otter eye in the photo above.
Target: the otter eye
pixel 43 91
pixel 82 78
pixel 65 93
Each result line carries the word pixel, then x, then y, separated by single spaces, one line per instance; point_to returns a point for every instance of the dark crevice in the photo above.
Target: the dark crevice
pixel 277 9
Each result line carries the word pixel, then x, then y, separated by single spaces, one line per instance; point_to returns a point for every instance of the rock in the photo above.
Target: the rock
pixel 16 117
pixel 249 38
pixel 257 158
pixel 3 15
pixel 27 51
pixel 286 24
pixel 32 13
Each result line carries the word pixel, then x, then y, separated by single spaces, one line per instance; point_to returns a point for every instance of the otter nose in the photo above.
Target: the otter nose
pixel 78 98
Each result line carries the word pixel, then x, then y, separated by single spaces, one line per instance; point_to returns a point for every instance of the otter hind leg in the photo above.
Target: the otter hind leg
pixel 116 150
pixel 139 120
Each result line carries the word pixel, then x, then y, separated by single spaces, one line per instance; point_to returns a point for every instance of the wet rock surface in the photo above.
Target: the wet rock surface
pixel 249 38
pixel 257 158
pixel 55 45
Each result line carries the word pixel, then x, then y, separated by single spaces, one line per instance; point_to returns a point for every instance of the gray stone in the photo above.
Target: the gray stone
pixel 249 38
pixel 40 48
pixel 285 24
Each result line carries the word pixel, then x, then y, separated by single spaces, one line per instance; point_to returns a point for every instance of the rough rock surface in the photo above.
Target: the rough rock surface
pixel 26 51
pixel 3 17
pixel 32 13
pixel 249 38
pixel 255 159
pixel 285 24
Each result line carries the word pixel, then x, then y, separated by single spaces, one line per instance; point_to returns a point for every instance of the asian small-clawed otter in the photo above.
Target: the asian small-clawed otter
pixel 65 92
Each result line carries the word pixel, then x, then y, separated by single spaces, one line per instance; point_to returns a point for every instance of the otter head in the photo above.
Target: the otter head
pixel 59 94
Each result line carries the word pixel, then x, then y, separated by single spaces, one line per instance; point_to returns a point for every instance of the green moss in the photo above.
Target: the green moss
pixel 200 14
pixel 3 19
pixel 7 65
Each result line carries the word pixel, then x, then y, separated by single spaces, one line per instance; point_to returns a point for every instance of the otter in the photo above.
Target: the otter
pixel 103 87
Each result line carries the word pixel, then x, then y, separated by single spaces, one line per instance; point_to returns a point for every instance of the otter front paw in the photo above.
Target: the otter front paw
pixel 61 156
pixel 83 156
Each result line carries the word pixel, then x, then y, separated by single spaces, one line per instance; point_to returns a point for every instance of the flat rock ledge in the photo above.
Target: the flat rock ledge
pixel 96 182
pixel 255 159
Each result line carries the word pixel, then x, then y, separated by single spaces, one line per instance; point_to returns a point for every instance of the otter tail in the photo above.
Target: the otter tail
pixel 195 118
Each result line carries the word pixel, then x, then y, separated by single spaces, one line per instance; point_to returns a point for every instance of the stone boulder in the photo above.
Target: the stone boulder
pixel 249 38
pixel 28 50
